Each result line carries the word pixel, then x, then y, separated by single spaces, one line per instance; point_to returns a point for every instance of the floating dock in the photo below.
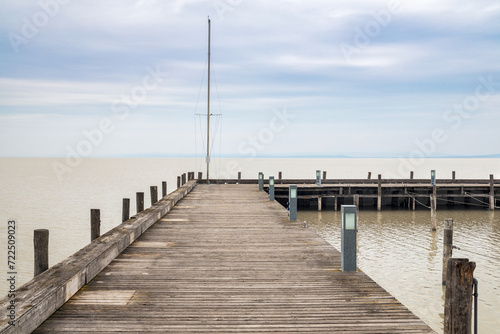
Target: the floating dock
pixel 225 259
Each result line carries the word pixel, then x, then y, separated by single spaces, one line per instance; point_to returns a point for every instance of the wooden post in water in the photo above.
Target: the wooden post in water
pixel 369 175
pixel 379 197
pixel 320 203
pixel 336 204
pixel 356 200
pixel 447 246
pixel 433 212
pixel 95 224
pixel 414 201
pixel 492 192
pixel 453 175
pixel 411 175
pixel 139 202
pixel 164 189
pixel 458 296
pixel 154 194
pixel 178 182
pixel 41 247
pixel 125 209
pixel 324 175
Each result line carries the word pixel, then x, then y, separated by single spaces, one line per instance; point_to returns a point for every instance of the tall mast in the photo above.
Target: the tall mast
pixel 208 108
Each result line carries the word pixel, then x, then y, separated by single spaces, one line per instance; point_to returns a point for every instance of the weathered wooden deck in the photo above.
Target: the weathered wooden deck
pixel 226 260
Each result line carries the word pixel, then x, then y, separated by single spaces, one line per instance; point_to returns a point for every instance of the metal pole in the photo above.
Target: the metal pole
pixel 208 108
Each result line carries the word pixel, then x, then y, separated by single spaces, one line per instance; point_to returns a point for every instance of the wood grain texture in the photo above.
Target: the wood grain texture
pixel 226 260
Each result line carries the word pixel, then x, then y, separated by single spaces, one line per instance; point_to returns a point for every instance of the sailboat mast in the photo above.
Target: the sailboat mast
pixel 208 108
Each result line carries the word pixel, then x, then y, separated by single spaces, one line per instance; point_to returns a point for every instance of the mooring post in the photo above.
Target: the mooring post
pixel 453 175
pixel 348 237
pixel 369 175
pixel 95 224
pixel 414 201
pixel 320 203
pixel 139 202
pixel 41 248
pixel 458 296
pixel 411 175
pixel 200 176
pixel 433 212
pixel 355 200
pixel 271 188
pixel 379 197
pixel 183 179
pixel 178 182
pixel 280 175
pixel 447 246
pixel 261 181
pixel 125 209
pixel 239 175
pixel 336 204
pixel 492 192
pixel 324 175
pixel 164 189
pixel 292 202
pixel 154 194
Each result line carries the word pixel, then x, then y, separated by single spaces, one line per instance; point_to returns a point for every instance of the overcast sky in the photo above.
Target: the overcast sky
pixel 357 78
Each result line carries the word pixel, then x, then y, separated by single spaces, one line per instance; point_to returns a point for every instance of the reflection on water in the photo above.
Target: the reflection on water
pixel 401 253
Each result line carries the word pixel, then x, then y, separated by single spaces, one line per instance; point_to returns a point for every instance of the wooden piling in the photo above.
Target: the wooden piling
pixel 433 212
pixel 200 176
pixel 458 296
pixel 41 248
pixel 369 175
pixel 190 176
pixel 324 175
pixel 183 179
pixel 336 204
pixel 379 196
pixel 164 189
pixel 411 175
pixel 492 192
pixel 178 182
pixel 95 224
pixel 320 203
pixel 356 200
pixel 239 175
pixel 125 209
pixel 154 194
pixel 453 175
pixel 447 246
pixel 414 201
pixel 280 175
pixel 139 202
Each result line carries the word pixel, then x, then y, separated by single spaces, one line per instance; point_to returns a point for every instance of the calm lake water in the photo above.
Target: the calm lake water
pixel 396 248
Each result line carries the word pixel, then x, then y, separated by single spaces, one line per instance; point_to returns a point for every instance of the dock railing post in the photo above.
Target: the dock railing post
pixel 154 194
pixel 348 237
pixel 453 175
pixel 433 212
pixel 261 181
pixel 164 189
pixel 447 246
pixel 458 296
pixel 239 176
pixel 369 175
pixel 95 224
pixel 280 175
pixel 271 188
pixel 411 175
pixel 492 192
pixel 324 175
pixel 200 176
pixel 183 179
pixel 139 202
pixel 41 251
pixel 178 182
pixel 292 202
pixel 125 209
pixel 379 196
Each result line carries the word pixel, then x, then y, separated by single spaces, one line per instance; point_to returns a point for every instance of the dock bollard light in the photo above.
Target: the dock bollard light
pixel 348 240
pixel 433 177
pixel 318 178
pixel 261 181
pixel 292 202
pixel 271 188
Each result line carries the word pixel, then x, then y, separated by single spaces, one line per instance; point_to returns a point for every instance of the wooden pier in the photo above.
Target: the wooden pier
pixel 227 260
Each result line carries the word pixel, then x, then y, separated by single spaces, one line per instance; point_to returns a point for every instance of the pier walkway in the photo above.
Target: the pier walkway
pixel 226 260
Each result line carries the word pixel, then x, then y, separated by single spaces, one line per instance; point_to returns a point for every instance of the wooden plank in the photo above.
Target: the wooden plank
pixel 226 260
